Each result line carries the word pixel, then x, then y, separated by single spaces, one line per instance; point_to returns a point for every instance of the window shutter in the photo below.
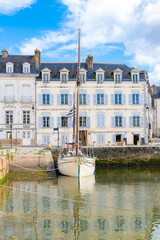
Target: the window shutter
pixel 58 121
pixel 98 138
pixel 123 99
pixel 142 121
pixel 130 121
pixel 98 120
pixel 102 138
pixel 130 99
pixel 113 121
pixel 52 122
pixel 40 122
pixel 88 99
pixel 51 99
pixel 58 99
pixel 105 98
pixel 114 138
pixel 112 99
pixel 124 121
pixel 39 99
pixel 141 99
pixel 88 122
pixel 70 99
pixel 102 120
pixel 94 99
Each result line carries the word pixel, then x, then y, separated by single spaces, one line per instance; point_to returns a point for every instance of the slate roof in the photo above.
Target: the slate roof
pixel 18 60
pixel 157 95
pixel 72 67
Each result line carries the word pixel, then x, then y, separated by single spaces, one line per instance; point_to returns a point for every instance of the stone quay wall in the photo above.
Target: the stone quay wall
pixel 6 157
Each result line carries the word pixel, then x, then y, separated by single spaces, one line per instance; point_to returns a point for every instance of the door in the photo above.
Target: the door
pixel 26 140
pixel 83 137
pixel 136 139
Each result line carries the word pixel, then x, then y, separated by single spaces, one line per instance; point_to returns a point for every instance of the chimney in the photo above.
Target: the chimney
pixel 4 53
pixel 37 57
pixel 154 89
pixel 89 61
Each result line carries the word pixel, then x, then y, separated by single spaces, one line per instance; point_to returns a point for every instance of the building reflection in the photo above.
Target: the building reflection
pixel 79 210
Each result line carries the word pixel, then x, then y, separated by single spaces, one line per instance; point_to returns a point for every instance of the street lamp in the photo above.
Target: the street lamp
pixel 11 127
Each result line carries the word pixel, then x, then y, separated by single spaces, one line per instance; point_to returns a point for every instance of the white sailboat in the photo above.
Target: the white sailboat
pixel 74 163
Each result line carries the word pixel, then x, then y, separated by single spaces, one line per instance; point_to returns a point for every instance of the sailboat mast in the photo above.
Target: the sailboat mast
pixel 78 85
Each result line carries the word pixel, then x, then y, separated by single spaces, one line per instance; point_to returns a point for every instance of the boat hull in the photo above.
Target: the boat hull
pixel 76 166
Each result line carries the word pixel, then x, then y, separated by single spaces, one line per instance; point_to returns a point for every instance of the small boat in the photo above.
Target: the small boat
pixel 74 163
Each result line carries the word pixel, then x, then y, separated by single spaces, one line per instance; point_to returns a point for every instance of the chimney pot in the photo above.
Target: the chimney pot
pixel 4 53
pixel 37 57
pixel 89 61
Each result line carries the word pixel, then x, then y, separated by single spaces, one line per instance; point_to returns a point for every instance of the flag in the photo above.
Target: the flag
pixel 71 112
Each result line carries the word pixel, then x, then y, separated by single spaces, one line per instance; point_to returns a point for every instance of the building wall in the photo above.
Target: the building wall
pixel 91 110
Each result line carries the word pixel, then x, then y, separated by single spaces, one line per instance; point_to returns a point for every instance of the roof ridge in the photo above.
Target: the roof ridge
pixel 81 63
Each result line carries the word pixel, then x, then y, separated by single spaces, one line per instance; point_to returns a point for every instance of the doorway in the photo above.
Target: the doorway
pixel 135 139
pixel 118 138
pixel 26 140
pixel 83 137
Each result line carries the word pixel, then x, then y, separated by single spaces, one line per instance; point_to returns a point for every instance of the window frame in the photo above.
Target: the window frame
pixel 26 117
pixel 64 99
pixel 100 98
pixel 46 122
pixel 45 99
pixel 82 99
pixel 118 98
pixel 136 121
pixel 118 121
pixel 135 98
pixel 64 121
pixel 9 117
pixel 83 121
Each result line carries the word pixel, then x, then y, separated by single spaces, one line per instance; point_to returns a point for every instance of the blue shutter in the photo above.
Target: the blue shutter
pixel 88 122
pixel 105 98
pixel 98 139
pixel 51 99
pixel 39 142
pixel 113 121
pixel 70 99
pixel 112 99
pixel 124 121
pixel 58 99
pixel 142 121
pixel 131 121
pixel 51 122
pixel 40 125
pixel 102 138
pixel 98 120
pixel 102 120
pixel 141 99
pixel 94 99
pixel 58 121
pixel 123 99
pixel 130 99
pixel 88 99
pixel 114 138
pixel 39 99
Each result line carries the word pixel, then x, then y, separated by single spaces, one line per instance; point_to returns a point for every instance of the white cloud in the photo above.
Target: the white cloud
pixel 135 24
pixel 8 7
pixel 154 76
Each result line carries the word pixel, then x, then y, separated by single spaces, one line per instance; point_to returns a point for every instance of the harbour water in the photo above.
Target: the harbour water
pixel 113 204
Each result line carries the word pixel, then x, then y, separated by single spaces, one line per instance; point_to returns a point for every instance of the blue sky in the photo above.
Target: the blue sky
pixel 112 31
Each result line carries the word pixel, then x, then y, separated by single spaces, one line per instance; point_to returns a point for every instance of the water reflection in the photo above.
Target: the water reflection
pixel 118 205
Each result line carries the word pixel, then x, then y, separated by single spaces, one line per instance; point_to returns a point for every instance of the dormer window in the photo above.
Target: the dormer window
pixel 117 75
pixel 135 75
pixel 46 75
pixel 83 75
pixel 9 68
pixel 100 75
pixel 64 75
pixel 26 68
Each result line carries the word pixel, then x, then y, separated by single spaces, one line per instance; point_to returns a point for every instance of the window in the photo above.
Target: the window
pixel 100 78
pixel 100 138
pixel 45 77
pixel 135 98
pixel 9 68
pixel 64 99
pixel 100 98
pixel 64 77
pixel 26 70
pixel 9 117
pixel 117 78
pixel 46 122
pixel 26 117
pixel 118 98
pixel 136 121
pixel 64 121
pixel 100 120
pixel 135 78
pixel 82 99
pixel 46 99
pixel 9 135
pixel 82 77
pixel 82 121
pixel 118 121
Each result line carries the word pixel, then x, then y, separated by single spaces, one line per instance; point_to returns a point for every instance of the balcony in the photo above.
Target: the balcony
pixel 9 99
pixel 26 99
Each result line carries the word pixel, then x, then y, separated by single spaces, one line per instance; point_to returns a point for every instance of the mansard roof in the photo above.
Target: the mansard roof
pixel 18 61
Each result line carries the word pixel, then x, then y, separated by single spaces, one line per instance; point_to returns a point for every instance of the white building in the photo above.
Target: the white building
pixel 17 98
pixel 115 103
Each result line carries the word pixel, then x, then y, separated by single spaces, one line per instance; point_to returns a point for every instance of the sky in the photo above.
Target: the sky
pixel 113 31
